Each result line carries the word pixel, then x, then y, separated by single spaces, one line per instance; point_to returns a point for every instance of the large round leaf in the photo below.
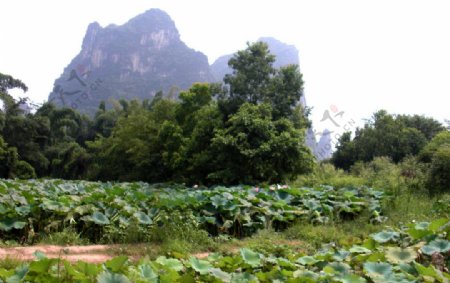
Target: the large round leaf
pixel 219 274
pixel 99 218
pixel 375 269
pixel 201 266
pixel 148 273
pixel 351 278
pixel 108 277
pixel 385 236
pixel 436 246
pixel 143 218
pixel 171 263
pixel 307 260
pixel 399 255
pixel 9 224
pixel 250 257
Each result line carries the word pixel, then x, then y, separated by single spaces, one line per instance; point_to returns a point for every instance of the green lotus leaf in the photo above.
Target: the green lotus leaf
pixel 171 263
pixel 108 277
pixel 339 268
pixel 117 264
pixel 436 246
pixel 23 210
pixel 306 274
pixel 143 218
pixel 250 257
pixel 385 236
pixel 83 209
pixel 39 255
pixel 375 269
pixel 219 274
pixel 351 278
pixel 243 277
pixel 99 218
pixel 42 265
pixel 426 271
pixel 124 221
pixel 148 273
pixel 201 266
pixel 218 201
pixel 9 224
pixel 418 233
pixel 307 260
pixel 399 255
pixel 3 209
pixel 422 225
pixel 437 224
pixel 359 250
pixel 19 274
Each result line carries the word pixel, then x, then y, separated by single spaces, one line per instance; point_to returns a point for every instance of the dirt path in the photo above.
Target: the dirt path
pixel 102 253
pixel 92 254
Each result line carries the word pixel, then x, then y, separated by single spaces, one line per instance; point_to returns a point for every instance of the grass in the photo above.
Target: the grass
pixel 9 263
pixel 64 238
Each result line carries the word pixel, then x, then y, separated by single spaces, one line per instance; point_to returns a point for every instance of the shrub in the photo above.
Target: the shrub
pixel 438 180
pixel 23 170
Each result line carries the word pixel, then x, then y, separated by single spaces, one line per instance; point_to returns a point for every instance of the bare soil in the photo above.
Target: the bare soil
pixel 92 254
pixel 102 253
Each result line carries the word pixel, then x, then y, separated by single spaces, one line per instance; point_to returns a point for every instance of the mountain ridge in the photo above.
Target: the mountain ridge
pixel 134 60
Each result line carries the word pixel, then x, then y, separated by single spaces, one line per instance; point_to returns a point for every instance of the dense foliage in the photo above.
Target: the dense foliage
pixel 393 136
pixel 30 209
pixel 252 132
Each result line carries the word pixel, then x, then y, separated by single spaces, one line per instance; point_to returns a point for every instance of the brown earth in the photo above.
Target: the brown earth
pixel 102 253
pixel 92 254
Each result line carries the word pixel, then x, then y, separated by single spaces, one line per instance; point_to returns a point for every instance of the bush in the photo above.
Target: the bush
pixel 180 232
pixel 438 180
pixel 327 174
pixel 23 170
pixel 440 140
pixel 66 237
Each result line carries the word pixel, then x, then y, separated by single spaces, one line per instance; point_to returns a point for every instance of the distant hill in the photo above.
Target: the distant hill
pixel 134 60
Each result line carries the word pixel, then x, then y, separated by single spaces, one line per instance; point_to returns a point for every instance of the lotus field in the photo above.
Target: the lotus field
pixel 31 208
pixel 419 252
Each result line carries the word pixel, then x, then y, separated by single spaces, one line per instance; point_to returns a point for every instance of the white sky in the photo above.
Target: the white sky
pixel 360 56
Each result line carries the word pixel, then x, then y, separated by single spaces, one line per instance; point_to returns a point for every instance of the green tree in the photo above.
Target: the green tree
pixel 442 139
pixel 253 148
pixel 143 145
pixel 200 157
pixel 252 72
pixel 255 80
pixel 285 91
pixel 393 136
pixel 344 156
pixel 438 180
pixel 8 159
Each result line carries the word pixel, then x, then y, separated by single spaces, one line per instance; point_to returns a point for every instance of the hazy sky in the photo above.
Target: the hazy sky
pixel 360 56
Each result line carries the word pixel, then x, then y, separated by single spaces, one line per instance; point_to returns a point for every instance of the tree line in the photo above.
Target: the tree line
pixel 248 130
pixel 406 139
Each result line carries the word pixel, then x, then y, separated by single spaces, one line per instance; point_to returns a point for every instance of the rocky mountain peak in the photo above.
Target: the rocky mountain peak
pixel 130 61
